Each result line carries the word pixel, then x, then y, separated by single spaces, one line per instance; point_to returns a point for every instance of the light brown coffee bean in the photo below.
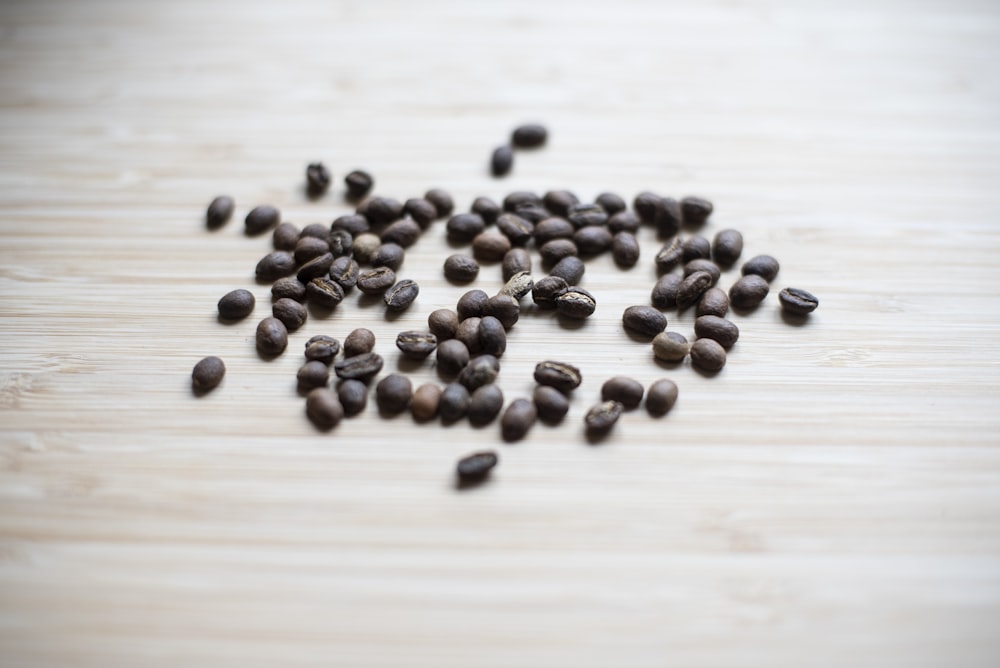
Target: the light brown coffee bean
pixel 443 322
pixel 359 342
pixel 708 355
pixel 670 346
pixel 425 401
pixel 518 419
pixel 661 397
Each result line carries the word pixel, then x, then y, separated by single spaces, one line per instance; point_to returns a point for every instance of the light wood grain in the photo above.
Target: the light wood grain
pixel 831 498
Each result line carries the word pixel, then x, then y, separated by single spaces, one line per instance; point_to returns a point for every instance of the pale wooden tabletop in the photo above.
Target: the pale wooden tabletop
pixel 831 498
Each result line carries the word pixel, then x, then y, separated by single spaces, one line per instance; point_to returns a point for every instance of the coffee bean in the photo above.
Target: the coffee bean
pixel 220 210
pixel 692 288
pixel 668 218
pixel 796 301
pixel 353 395
pixel 313 374
pixel 323 408
pixel 545 291
pixel 670 255
pixel 554 251
pixel 393 394
pixel 708 355
pixel 492 336
pixel 481 370
pixel 261 219
pixel 626 391
pixel 463 227
pixel 468 333
pixel 552 228
pixel 647 206
pixel 504 308
pixel 383 210
pixel 587 215
pixel 207 374
pixel 696 247
pixel 443 322
pixel 441 200
pixel 324 292
pixel 317 179
pixel 490 246
pixel 707 266
pixel 550 404
pixel 365 247
pixel 518 419
pixel 285 236
pixel 727 247
pixel 376 281
pixel 529 135
pixel 592 240
pixel 452 356
pixel 560 375
pixel 518 286
pixel 359 342
pixel 670 346
pixel 576 303
pixel 624 221
pixel 315 231
pixel 289 287
pixel 471 304
pixel 602 417
pixel 661 397
pixel 570 269
pixel 314 268
pixel 695 210
pixel 725 332
pixel 521 198
pixel 290 312
pixel 476 467
pixel 344 272
pixel 516 229
pixel 611 203
pixel 625 249
pixel 485 404
pixel 272 336
pixel 389 255
pixel 355 223
pixel 360 367
pixel 460 268
pixel 275 265
pixel 486 209
pixel 454 403
pixel 764 266
pixel 359 183
pixel 308 248
pixel 532 214
pixel 501 160
pixel 748 292
pixel 401 295
pixel 515 261
pixel 236 305
pixel 664 293
pixel 558 202
pixel 644 320
pixel 416 344
pixel 425 401
pixel 714 301
pixel 322 348
pixel 403 232
pixel 420 210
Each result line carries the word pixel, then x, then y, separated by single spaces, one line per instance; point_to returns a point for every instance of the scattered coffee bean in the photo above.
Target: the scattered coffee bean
pixel 520 199
pixel 748 292
pixel 647 206
pixel 354 223
pixel 727 247
pixel 344 272
pixel 290 312
pixel 416 344
pixel 692 288
pixel 545 291
pixel 393 394
pixel 531 213
pixel 314 268
pixel 359 183
pixel 670 346
pixel 317 179
pixel 486 209
pixel 383 210
pixel 476 467
pixel 644 320
pixel 404 233
pixel 714 301
pixel 708 355
pixel 236 305
pixel 518 286
pixel 452 356
pixel 492 336
pixel 695 210
pixel 593 240
pixel 315 231
pixel 796 301
pixel 661 397
pixel 670 255
pixel 664 293
pixel 376 281
pixel 441 200
pixel 471 304
pixel 463 227
pixel 454 403
pixel 516 261
pixel 624 221
pixel 570 269
pixel 501 160
pixel 322 348
pixel 587 215
pixel 490 246
pixel 275 265
pixel 668 218
pixel 696 247
pixel 388 255
pixel 706 266
pixel 313 374
pixel 285 236
pixel 261 219
pixel 554 251
pixel 725 332
pixel 425 401
pixel 764 266
pixel 323 408
pixel 460 268
pixel 625 249
pixel 551 404
pixel 626 391
pixel 289 287
pixel 220 210
pixel 207 374
pixel 552 228
pixel 517 230
pixel 308 248
pixel 530 135
pixel 443 322
pixel 365 246
pixel 611 203
pixel 353 395
pixel 576 303
pixel 485 404
pixel 359 367
pixel 560 375
pixel 518 419
pixel 468 333
pixel 481 370
pixel 559 202
pixel 602 417
pixel 324 292
pixel 401 295
pixel 272 336
pixel 421 211
pixel 359 342
pixel 504 308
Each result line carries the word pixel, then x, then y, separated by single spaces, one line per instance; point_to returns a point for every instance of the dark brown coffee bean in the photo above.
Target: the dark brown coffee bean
pixel 670 255
pixel 313 374
pixel 552 228
pixel 626 391
pixel 471 304
pixel 353 395
pixel 625 249
pixel 261 219
pixel 695 210
pixel 290 312
pixel 322 348
pixel 285 236
pixel 602 417
pixel 207 374
pixel 550 404
pixel 317 179
pixel 521 198
pixel 441 200
pixel 560 375
pixel 647 206
pixel 485 404
pixel 460 268
pixel 504 308
pixel 272 336
pixel 393 394
pixel 518 286
pixel 420 210
pixel 416 344
pixel 454 403
pixel 534 214
pixel 692 288
pixel 587 215
pixel 644 320
pixel 481 370
pixel 308 248
pixel 289 287
pixel 359 342
pixel 570 269
pixel 443 322
pixel 376 281
pixel 425 401
pixel 708 355
pixel 725 332
pixel 529 135
pixel 707 266
pixel 764 266
pixel 696 247
pixel 501 160
pixel 515 261
pixel 275 265
pixel 592 240
pixel 668 218
pixel 727 247
pixel 661 397
pixel 468 333
pixel 624 221
pixel 341 243
pixel 324 292
pixel 220 210
pixel 518 419
pixel 576 303
pixel 796 301
pixel 389 255
pixel 559 202
pixel 360 367
pixel 404 233
pixel 323 408
pixel 670 346
pixel 492 336
pixel 664 293
pixel 314 268
pixel 476 467
pixel 611 203
pixel 236 305
pixel 490 246
pixel 715 301
pixel 486 209
pixel 452 356
pixel 344 271
pixel 383 210
pixel 545 291
pixel 748 292
pixel 355 223
pixel 359 183
pixel 463 227
pixel 315 231
pixel 515 229
pixel 400 296
pixel 554 251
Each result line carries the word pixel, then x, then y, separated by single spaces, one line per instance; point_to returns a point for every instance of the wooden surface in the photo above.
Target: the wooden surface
pixel 831 498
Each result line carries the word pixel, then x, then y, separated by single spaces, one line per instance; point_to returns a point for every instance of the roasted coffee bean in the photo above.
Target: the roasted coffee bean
pixel 207 373
pixel 314 268
pixel 344 271
pixel 322 348
pixel 443 322
pixel 471 304
pixel 476 467
pixel 272 336
pixel 359 342
pixel 670 255
pixel 315 231
pixel 516 230
pixel 359 183
pixel 602 417
pixel 501 160
pixel 317 179
pixel 285 236
pixel 560 375
pixel 341 243
pixel 529 135
pixel 587 215
pixel 481 370
pixel 490 246
pixel 727 247
pixel 576 303
pixel 460 268
pixel 554 251
pixel 404 233
pixel 359 367
pixel 309 248
pixel 325 292
pixel 515 261
pixel 313 374
pixel 623 221
pixel 552 228
pixel 550 404
pixel 485 404
pixel 644 320
pixel 708 355
pixel 425 401
pixel 707 266
pixel 323 408
pixel 696 247
pixel 692 288
pixel 388 255
pixel 534 214
pixel 545 291
pixel 365 246
pixel 518 286
pixel 518 419
pixel 625 249
pixel 452 356
pixel 454 403
pixel 289 287
pixel 416 344
pixel 748 292
pixel 355 223
pixel 626 391
pixel 353 395
pixel 290 312
pixel 486 209
pixel 570 269
pixel 661 397
pixel 714 301
pixel 376 281
pixel 668 218
pixel 796 301
pixel 695 210
pixel 592 240
pixel 275 265
pixel 559 202
pixel 220 210
pixel 504 308
pixel 647 206
pixel 764 266
pixel 420 210
pixel 725 332
pixel 383 210
pixel 441 200
pixel 236 305
pixel 520 199
pixel 393 394
pixel 670 346
pixel 611 203
pixel 492 336
pixel 664 293
pixel 261 219
pixel 463 227
pixel 468 333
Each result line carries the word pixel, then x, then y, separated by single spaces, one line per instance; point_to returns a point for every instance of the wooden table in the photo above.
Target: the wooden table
pixel 831 498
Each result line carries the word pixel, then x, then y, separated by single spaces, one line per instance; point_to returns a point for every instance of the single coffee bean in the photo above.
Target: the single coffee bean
pixel 272 336
pixel 359 342
pixel 593 240
pixel 668 218
pixel 664 293
pixel 441 200
pixel 552 228
pixel 492 336
pixel 708 355
pixel 360 367
pixel 285 236
pixel 376 281
pixel 468 333
pixel 587 215
pixel 661 397
pixel 365 246
pixel 695 210
pixel 534 214
pixel 207 374
pixel 275 265
pixel 471 304
pixel 501 160
pixel 289 287
pixel 670 346
pixel 516 229
pixel 481 370
pixel 670 255
pixel 341 243
pixel 748 292
pixel 696 247
pixel 521 198
pixel 576 303
pixel 353 395
pixel 404 233
pixel 290 312
pixel 625 249
pixel 355 223
pixel 692 288
pixel 317 179
pixel 401 295
pixel 393 394
pixel 707 266
pixel 476 467
pixel 725 332
pixel 611 203
pixel 389 255
pixel 322 348
pixel 315 230
pixel 727 247
pixel 452 356
pixel 529 135
pixel 323 408
pixel 463 227
pixel 515 261
pixel 443 322
pixel 420 211
pixel 545 291
pixel 383 210
pixel 359 183
pixel 796 301
pixel 560 375
pixel 764 266
pixel 485 404
pixel 602 417
pixel 324 292
pixel 518 286
pixel 313 374
pixel 626 391
pixel 559 202
pixel 504 308
pixel 518 419
pixel 486 209
pixel 570 269
pixel 454 403
pixel 344 272
pixel 416 344
pixel 550 404
pixel 236 305
pixel 460 268
pixel 714 301
pixel 490 246
pixel 261 219
pixel 425 401
pixel 314 268
pixel 554 251
pixel 308 248
pixel 644 320
pixel 624 221
pixel 220 210
pixel 647 206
